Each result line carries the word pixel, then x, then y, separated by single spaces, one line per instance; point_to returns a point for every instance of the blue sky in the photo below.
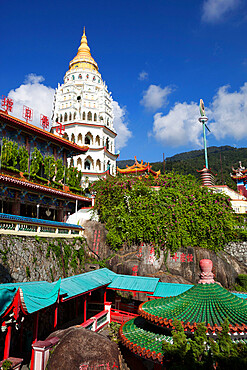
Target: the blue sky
pixel 158 59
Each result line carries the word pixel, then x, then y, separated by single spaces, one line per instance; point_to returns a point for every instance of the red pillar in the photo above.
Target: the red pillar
pixel 7 342
pixel 55 316
pixel 85 308
pixel 35 336
pixel 105 296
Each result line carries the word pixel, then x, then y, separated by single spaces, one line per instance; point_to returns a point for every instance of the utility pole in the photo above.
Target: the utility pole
pixel 164 163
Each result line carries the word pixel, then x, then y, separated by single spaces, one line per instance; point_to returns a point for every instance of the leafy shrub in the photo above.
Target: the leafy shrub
pixel 242 280
pixel 180 214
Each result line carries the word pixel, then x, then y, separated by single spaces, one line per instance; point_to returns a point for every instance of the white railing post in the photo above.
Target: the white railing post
pixel 107 307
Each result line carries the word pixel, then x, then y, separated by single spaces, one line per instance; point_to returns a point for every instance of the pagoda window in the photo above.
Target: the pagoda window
pixel 84 116
pixel 79 138
pixel 65 117
pixel 88 164
pixel 98 165
pixel 95 117
pixel 70 116
pixel 107 121
pixel 79 163
pixel 80 77
pixel 65 136
pixel 107 143
pixel 61 118
pixel 89 116
pixel 73 77
pixel 73 138
pixel 89 138
pixel 97 140
pixel 75 115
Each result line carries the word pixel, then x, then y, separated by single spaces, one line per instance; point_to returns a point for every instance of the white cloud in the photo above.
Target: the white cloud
pixel 155 97
pixel 35 95
pixel 227 118
pixel 179 127
pixel 229 113
pixel 214 10
pixel 120 125
pixel 143 76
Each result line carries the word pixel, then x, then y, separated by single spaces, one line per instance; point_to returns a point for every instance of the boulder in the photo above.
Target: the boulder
pixel 80 348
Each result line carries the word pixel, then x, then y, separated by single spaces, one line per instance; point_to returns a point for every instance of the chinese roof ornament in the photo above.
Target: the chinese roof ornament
pixel 138 168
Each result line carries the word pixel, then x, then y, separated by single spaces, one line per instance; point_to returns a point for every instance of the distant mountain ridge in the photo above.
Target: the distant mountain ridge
pixel 221 159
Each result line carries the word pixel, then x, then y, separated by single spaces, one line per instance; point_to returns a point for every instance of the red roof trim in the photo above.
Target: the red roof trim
pixel 43 188
pixel 45 135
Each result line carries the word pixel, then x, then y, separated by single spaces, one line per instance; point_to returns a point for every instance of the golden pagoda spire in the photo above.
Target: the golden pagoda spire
pixel 83 59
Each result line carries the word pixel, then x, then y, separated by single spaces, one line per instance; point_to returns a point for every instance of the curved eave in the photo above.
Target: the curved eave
pixel 42 134
pixel 139 350
pixel 114 156
pixel 40 188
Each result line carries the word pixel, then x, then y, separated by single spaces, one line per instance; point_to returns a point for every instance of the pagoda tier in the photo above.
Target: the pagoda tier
pixel 207 177
pixel 240 177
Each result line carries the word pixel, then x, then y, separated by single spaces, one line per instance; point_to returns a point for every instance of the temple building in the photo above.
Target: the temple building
pixel 83 105
pixel 34 179
pixel 138 169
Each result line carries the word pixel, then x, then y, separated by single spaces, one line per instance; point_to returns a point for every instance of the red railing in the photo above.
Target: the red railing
pixel 121 316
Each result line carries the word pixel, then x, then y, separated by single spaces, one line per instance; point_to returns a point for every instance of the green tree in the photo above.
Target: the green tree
pixel 23 159
pixel 36 162
pixel 49 167
pixel 59 170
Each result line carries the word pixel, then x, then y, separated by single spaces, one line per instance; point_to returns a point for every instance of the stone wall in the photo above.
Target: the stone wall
pixel 33 258
pixel 238 251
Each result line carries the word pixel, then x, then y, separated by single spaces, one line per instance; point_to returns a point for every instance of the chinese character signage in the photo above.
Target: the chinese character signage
pixel 27 113
pixel 44 121
pixel 60 129
pixel 7 104
pixel 181 257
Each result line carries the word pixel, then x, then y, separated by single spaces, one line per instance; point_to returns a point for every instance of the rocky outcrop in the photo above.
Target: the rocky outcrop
pixel 79 348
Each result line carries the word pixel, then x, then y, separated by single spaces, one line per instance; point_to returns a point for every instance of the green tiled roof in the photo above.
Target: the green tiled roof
pixel 144 342
pixel 79 284
pixel 170 289
pixel 134 283
pixel 209 303
pixel 34 295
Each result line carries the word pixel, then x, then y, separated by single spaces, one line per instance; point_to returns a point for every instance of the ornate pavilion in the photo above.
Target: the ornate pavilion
pixel 206 302
pixel 36 196
pixel 138 169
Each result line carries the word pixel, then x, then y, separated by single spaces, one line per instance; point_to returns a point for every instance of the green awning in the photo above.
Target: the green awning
pixel 134 283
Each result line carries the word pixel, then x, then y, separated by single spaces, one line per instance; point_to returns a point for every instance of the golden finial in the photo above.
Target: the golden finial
pixel 84 33
pixel 83 57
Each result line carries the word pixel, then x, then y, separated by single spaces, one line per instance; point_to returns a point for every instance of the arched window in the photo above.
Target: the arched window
pixel 88 163
pixel 84 116
pixel 65 117
pixel 75 115
pixel 65 136
pixel 70 116
pixel 98 165
pixel 107 144
pixel 97 140
pixel 107 121
pixel 73 138
pixel 79 138
pixel 79 163
pixel 61 118
pixel 89 139
pixel 80 77
pixel 95 117
pixel 89 116
pixel 73 77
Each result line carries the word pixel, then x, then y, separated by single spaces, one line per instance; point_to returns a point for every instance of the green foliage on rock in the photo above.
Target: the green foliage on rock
pixel 180 214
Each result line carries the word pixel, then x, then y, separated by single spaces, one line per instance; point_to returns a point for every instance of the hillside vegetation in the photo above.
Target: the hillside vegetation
pixel 180 214
pixel 221 159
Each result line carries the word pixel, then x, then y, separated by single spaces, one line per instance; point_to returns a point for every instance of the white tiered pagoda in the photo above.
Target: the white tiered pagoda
pixel 83 108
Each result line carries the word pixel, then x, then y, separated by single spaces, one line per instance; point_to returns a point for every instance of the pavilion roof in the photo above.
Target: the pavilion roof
pixel 134 283
pixel 209 303
pixel 138 168
pixel 34 296
pixel 42 134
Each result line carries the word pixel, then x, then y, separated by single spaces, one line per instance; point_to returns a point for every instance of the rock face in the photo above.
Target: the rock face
pixel 79 348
